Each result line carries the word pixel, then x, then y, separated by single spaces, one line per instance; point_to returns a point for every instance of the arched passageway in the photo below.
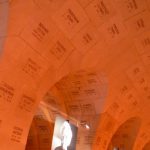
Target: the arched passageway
pixel 125 136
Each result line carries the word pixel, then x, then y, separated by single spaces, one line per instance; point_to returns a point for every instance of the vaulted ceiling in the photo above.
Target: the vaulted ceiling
pixel 85 60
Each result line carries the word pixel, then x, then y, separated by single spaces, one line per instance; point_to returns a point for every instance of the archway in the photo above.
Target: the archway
pixel 79 97
pixel 125 136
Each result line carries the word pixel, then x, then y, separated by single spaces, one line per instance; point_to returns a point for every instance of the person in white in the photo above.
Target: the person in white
pixel 66 135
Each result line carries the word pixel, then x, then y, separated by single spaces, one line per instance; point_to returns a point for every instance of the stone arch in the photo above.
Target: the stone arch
pixel 125 136
pixel 67 91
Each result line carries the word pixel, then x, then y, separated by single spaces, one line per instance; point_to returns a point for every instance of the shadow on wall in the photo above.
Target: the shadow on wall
pixel 125 136
pixel 40 135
